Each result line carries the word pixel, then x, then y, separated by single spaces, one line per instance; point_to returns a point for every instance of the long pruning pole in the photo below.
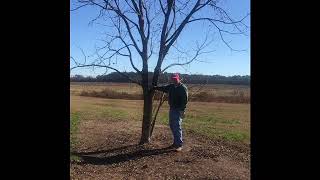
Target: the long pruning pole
pixel 161 101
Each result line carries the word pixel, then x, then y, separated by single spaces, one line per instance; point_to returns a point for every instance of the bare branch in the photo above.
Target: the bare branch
pixel 181 64
pixel 141 25
pixel 79 7
pixel 203 5
pixel 130 55
pixel 135 6
pixel 148 20
pixel 140 7
pixel 182 25
pixel 162 8
pixel 184 3
pixel 101 59
pixel 107 43
pixel 100 15
pixel 122 14
pixel 94 3
pixel 84 55
pixel 222 38
pixel 126 45
pixel 124 18
pixel 208 62
pixel 117 52
pixel 131 7
pixel 198 52
pixel 163 35
pixel 151 48
pixel 173 19
pixel 129 31
pixel 176 33
pixel 180 51
pixel 227 15
pixel 217 20
pixel 74 60
pixel 109 6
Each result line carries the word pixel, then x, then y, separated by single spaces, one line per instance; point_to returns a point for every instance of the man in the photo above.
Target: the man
pixel 178 99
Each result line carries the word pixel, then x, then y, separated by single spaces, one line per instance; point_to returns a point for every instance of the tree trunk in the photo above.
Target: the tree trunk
pixel 147 116
pixel 147 97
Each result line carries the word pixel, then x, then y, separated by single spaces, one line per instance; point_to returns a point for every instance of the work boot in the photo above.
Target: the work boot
pixel 178 149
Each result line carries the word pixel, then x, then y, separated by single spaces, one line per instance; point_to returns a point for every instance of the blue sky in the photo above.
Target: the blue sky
pixel 222 61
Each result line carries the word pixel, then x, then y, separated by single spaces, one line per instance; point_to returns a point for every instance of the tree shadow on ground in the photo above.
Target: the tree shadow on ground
pixel 137 153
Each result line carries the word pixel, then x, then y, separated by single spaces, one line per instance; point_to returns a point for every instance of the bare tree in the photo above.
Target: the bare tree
pixel 151 28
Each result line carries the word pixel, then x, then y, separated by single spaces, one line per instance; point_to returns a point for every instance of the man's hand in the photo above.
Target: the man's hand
pixel 182 114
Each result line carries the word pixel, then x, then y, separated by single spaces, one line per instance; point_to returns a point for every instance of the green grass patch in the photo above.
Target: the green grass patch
pixel 210 125
pixel 74 122
pixel 114 114
pixel 163 118
pixel 75 158
pixel 230 121
pixel 98 112
pixel 235 136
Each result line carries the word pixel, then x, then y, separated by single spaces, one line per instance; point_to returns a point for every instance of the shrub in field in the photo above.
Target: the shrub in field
pixel 207 97
pixel 107 93
pixel 238 97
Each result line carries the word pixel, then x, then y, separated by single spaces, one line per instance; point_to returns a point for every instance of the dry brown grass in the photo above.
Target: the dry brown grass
pixel 209 93
pixel 111 94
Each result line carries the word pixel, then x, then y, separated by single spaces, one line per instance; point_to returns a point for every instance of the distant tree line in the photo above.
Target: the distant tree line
pixel 190 79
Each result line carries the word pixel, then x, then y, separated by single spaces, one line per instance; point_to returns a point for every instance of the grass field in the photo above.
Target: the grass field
pixel 105 134
pixel 215 120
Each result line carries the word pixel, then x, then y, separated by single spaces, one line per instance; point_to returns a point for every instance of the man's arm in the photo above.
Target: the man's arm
pixel 162 88
pixel 184 101
pixel 184 97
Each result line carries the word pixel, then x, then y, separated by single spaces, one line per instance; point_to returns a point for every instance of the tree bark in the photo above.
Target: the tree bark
pixel 147 116
pixel 147 99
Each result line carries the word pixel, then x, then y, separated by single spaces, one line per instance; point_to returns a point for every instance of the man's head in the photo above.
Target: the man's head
pixel 175 78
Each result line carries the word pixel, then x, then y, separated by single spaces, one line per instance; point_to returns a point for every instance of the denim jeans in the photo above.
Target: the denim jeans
pixel 175 121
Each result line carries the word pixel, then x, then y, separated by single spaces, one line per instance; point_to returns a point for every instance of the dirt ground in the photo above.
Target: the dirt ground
pixel 110 150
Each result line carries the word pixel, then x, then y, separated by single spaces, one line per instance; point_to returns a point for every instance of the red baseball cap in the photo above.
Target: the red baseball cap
pixel 175 76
